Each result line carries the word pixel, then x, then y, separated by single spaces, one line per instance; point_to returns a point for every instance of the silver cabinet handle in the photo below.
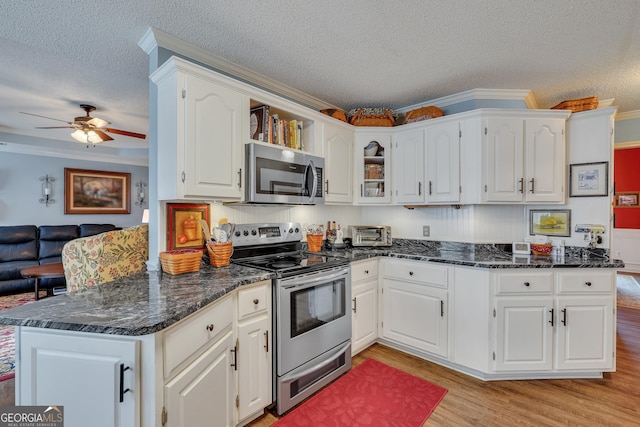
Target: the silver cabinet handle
pixel 532 185
pixel 355 305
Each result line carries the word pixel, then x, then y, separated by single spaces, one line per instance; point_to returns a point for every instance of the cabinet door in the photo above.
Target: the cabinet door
pixel 408 166
pixel 364 319
pixel 213 139
pixel 63 369
pixel 524 329
pixel 338 153
pixel 373 168
pixel 545 160
pixel 585 333
pixel 254 366
pixel 203 394
pixel 443 163
pixel 504 172
pixel 415 315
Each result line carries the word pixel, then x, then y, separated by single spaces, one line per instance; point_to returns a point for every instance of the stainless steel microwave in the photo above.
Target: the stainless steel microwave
pixel 282 176
pixel 371 235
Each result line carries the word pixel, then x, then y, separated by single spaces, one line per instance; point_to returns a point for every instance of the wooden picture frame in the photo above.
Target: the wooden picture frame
pixel 96 192
pixel 259 123
pixel 589 179
pixel 185 236
pixel 627 200
pixel 550 222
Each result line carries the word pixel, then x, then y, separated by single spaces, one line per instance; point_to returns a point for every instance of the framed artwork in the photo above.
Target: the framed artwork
pixel 589 179
pixel 96 192
pixel 550 222
pixel 259 123
pixel 183 225
pixel 627 200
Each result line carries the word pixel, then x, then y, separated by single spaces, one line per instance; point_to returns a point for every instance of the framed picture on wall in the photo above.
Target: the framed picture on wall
pixel 589 179
pixel 550 222
pixel 627 200
pixel 96 192
pixel 183 225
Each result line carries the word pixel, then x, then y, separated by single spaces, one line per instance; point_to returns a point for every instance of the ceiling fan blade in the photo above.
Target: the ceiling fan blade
pixel 103 135
pixel 126 133
pixel 55 127
pixel 45 117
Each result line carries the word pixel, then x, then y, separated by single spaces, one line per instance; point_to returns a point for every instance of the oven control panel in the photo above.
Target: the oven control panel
pixel 266 233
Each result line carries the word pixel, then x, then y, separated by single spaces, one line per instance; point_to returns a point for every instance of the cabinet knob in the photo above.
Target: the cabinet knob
pixel 366 272
pixel 210 327
pixel 256 301
pixel 411 273
pixel 587 283
pixel 527 284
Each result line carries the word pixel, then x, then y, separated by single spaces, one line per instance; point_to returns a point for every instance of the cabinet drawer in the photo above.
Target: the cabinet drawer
pixel 524 283
pixel 581 282
pixel 416 271
pixel 253 301
pixel 364 270
pixel 188 337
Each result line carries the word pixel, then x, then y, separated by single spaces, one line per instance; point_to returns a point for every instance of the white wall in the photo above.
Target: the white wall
pixel 21 189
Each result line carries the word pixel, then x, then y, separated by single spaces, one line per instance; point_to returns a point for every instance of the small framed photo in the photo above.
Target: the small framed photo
pixel 589 179
pixel 96 192
pixel 259 123
pixel 627 200
pixel 550 222
pixel 183 225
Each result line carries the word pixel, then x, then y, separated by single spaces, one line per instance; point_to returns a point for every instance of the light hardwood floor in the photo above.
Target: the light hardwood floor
pixel 611 401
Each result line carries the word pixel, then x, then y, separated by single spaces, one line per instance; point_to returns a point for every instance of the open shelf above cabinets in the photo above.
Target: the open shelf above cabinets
pixel 270 124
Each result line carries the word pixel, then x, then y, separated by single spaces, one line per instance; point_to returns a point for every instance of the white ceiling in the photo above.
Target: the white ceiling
pixel 58 54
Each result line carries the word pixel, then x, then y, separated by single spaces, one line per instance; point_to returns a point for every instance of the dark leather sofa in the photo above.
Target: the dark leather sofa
pixel 23 246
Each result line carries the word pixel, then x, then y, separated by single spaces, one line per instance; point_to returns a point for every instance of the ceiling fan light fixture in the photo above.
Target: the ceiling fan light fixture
pixel 86 137
pixel 98 122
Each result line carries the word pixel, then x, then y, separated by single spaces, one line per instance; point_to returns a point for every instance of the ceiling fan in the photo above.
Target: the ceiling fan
pixel 89 129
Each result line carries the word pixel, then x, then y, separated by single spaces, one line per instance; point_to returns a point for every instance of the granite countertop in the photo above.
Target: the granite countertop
pixel 139 304
pixel 149 302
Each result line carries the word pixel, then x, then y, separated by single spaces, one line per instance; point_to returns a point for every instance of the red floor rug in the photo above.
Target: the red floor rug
pixel 7 337
pixel 371 394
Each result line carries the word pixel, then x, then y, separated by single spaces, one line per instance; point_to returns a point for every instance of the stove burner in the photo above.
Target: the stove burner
pixel 282 264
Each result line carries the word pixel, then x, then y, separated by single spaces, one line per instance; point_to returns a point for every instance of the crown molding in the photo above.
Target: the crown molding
pixel 628 115
pixel 155 38
pixel 626 145
pixel 526 96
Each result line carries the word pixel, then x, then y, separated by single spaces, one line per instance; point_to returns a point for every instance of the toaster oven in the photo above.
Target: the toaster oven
pixel 370 235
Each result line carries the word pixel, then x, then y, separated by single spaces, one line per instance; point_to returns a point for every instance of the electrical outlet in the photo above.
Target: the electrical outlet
pixel 426 231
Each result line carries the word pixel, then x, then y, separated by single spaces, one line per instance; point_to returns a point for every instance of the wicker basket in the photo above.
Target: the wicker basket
pixel 336 114
pixel 381 117
pixel 220 253
pixel 541 249
pixel 181 261
pixel 577 105
pixel 423 113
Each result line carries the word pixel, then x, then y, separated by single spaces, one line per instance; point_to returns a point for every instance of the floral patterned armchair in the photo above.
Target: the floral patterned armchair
pixel 103 258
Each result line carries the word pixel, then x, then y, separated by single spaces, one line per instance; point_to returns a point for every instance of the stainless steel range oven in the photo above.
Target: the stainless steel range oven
pixel 311 312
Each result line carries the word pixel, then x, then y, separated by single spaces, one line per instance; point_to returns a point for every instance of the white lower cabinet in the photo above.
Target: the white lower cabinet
pixel 414 305
pixel 95 377
pixel 364 304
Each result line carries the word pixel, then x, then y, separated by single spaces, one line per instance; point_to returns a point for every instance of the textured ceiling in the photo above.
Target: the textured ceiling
pixel 58 54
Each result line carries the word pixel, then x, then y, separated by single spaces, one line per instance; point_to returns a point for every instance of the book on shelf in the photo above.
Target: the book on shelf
pixel 259 123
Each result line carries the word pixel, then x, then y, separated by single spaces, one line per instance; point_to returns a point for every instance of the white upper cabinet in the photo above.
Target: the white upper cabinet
pixel 524 158
pixel 372 161
pixel 408 166
pixel 200 133
pixel 338 154
pixel 443 163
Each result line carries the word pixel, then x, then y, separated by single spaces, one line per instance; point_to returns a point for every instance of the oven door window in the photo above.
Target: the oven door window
pixel 316 306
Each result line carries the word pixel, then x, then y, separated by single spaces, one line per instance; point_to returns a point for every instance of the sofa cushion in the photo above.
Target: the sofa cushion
pixel 93 229
pixel 53 238
pixel 10 270
pixel 18 243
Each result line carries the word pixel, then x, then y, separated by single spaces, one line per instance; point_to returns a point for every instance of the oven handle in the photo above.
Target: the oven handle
pixel 299 373
pixel 309 282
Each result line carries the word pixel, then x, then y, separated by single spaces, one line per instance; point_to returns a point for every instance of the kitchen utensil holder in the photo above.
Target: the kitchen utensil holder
pixel 220 253
pixel 314 241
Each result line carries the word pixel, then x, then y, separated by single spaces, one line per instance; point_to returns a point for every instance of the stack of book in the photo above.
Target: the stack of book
pixel 270 128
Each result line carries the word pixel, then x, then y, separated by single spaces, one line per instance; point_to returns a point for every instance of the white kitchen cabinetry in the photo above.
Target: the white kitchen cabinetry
pixel 95 377
pixel 200 366
pixel 254 350
pixel 364 304
pixel 408 166
pixel 373 168
pixel 200 133
pixel 524 158
pixel 443 163
pixel 338 156
pixel 414 305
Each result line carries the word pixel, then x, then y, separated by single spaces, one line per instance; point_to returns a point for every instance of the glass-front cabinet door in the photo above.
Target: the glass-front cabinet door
pixel 373 166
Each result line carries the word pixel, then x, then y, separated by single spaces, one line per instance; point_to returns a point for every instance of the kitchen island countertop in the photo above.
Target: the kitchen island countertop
pixel 149 302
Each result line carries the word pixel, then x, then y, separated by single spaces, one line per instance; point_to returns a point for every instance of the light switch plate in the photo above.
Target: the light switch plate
pixel 426 231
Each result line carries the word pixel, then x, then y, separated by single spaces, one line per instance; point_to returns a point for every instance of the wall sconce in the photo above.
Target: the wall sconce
pixel 140 193
pixel 47 190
